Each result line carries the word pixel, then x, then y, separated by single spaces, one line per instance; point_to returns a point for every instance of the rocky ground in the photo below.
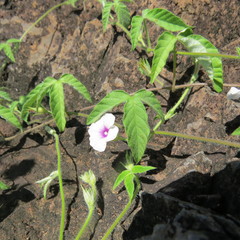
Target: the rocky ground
pixel 194 194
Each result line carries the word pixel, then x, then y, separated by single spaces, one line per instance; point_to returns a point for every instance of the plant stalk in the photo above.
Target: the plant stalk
pixel 147 34
pixel 61 232
pixel 124 29
pixel 124 211
pixel 174 68
pixel 194 77
pixel 86 223
pixel 40 18
pixel 117 220
pixel 202 139
pixel 208 55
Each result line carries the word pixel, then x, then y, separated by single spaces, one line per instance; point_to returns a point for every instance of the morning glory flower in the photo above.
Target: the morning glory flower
pixel 102 132
pixel 233 94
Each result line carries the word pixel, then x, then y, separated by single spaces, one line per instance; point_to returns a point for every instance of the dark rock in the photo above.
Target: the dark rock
pixel 164 217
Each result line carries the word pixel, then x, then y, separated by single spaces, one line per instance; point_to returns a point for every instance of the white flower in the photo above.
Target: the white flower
pixel 233 94
pixel 102 132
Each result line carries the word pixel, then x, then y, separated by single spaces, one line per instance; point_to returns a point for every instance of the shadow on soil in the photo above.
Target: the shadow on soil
pixel 9 199
pixel 197 205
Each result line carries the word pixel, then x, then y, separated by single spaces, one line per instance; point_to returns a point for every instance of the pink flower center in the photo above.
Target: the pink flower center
pixel 104 132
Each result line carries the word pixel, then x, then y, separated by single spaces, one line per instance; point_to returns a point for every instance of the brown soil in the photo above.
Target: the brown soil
pixel 72 41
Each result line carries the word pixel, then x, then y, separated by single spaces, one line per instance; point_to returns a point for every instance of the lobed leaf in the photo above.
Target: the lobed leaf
pixel 110 101
pixel 120 178
pixel 13 106
pixel 76 84
pixel 217 74
pixel 144 67
pixel 165 45
pixel 135 121
pixel 4 95
pixel 8 115
pixel 123 13
pixel 212 65
pixel 236 132
pixel 129 184
pixel 13 40
pixel 141 169
pixel 3 186
pixel 71 2
pixel 165 19
pixel 106 14
pixel 238 50
pixel 35 96
pixel 8 51
pixel 57 105
pixel 150 99
pixel 136 26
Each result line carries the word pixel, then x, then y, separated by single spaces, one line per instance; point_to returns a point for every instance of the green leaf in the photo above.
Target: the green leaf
pixel 13 105
pixel 129 184
pixel 165 19
pixel 71 2
pixel 110 101
pixel 136 26
pixel 150 99
pixel 76 84
pixel 103 2
pixel 236 132
pixel 135 121
pixel 123 13
pixel 35 96
pixel 238 50
pixel 144 67
pixel 106 14
pixel 57 105
pixel 8 51
pixel 186 32
pixel 3 186
pixel 217 74
pixel 13 40
pixel 120 178
pixel 4 95
pixel 141 169
pixel 212 65
pixel 2 45
pixel 165 45
pixel 8 115
pixel 47 83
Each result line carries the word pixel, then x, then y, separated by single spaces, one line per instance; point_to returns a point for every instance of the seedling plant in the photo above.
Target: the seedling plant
pixel 135 121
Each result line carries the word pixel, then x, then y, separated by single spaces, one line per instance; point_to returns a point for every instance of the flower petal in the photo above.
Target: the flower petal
pixel 108 119
pixel 98 144
pixel 95 128
pixel 233 94
pixel 112 133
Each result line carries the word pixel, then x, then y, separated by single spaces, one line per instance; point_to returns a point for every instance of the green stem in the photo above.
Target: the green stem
pixel 203 139
pixel 171 112
pixel 209 55
pixel 87 221
pixel 194 77
pixel 40 18
pixel 147 34
pixel 203 54
pixel 61 233
pixel 174 67
pixel 121 215
pixel 123 28
pixel 117 220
